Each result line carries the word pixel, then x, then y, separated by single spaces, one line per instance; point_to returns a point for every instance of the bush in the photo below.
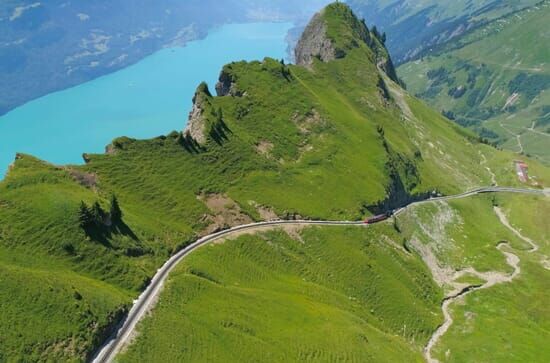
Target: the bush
pixel 69 248
pixel 457 92
pixel 529 86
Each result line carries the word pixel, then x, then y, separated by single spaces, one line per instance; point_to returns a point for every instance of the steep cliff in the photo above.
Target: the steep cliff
pixel 336 31
pixel 196 125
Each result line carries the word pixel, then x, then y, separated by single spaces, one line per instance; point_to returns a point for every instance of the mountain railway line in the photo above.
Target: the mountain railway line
pixel 149 296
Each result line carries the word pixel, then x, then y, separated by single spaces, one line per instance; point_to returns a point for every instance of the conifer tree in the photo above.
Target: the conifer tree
pixel 85 218
pixel 97 214
pixel 115 212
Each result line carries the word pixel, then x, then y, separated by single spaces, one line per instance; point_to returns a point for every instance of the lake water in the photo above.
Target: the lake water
pixel 150 98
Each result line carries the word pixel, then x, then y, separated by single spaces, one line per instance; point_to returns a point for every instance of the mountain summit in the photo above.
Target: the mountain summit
pixel 335 32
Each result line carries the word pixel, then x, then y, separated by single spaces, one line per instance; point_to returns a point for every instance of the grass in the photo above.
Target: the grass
pixel 338 294
pixel 274 297
pixel 490 65
pixel 507 322
pixel 473 244
pixel 415 28
pixel 341 149
pixel 51 313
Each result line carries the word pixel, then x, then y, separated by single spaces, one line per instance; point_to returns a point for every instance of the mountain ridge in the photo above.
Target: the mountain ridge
pixel 280 141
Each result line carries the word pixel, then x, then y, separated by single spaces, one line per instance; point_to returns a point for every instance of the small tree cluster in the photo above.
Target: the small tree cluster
pixel 85 218
pixel 95 216
pixel 381 36
pixel 90 217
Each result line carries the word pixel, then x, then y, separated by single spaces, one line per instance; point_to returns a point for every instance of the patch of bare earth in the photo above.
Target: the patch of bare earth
pixel 306 123
pixel 293 232
pixel 88 180
pixel 266 213
pixel 264 148
pixel 225 213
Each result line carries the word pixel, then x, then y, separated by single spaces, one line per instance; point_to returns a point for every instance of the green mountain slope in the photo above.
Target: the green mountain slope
pixel 332 140
pixel 324 294
pixel 504 322
pixel 414 26
pixel 495 80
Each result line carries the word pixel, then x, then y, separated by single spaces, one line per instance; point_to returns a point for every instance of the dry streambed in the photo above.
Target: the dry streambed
pixel 460 290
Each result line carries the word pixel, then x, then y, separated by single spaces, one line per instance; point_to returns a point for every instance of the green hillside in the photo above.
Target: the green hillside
pixel 334 140
pixel 361 294
pixel 494 80
pixel 413 27
pixel 324 294
pixel 509 321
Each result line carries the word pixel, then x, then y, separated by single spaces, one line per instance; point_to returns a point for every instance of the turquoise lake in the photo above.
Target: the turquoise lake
pixel 147 99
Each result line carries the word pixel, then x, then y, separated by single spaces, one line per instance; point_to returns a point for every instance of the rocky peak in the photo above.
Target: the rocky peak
pixel 227 84
pixel 314 43
pixel 196 126
pixel 334 32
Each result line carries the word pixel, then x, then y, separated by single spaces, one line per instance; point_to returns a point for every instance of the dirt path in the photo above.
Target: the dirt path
pixel 504 220
pixel 491 278
pixel 517 136
pixel 461 290
pixel 537 132
pixel 484 162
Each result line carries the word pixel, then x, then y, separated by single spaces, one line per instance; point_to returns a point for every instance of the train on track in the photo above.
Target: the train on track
pixel 379 218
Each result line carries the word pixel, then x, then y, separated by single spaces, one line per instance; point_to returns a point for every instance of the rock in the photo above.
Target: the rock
pixel 314 43
pixel 349 34
pixel 197 121
pixel 227 85
pixel 195 125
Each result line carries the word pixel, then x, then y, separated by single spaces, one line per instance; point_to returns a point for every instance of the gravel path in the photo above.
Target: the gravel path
pixel 491 279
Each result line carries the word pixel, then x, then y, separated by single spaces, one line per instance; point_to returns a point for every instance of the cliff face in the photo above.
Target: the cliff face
pixel 334 32
pixel 315 43
pixel 227 84
pixel 196 126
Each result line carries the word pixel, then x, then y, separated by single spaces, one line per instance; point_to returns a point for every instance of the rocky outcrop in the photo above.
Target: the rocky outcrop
pixel 326 42
pixel 314 43
pixel 196 126
pixel 383 59
pixel 227 85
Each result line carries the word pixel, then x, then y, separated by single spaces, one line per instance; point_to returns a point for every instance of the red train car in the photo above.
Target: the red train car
pixel 378 218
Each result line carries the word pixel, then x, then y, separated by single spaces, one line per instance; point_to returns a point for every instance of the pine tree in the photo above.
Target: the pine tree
pixel 97 214
pixel 115 212
pixel 85 218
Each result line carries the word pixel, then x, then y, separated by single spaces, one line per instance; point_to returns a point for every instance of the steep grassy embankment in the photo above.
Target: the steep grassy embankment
pixel 495 80
pixel 321 294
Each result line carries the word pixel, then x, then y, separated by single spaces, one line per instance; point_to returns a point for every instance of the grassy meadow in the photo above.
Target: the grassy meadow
pixel 507 322
pixel 324 294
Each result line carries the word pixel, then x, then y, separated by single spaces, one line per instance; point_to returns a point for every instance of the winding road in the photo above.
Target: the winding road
pixel 147 299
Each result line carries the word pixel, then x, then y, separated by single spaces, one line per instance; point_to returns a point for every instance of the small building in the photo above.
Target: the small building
pixel 522 170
